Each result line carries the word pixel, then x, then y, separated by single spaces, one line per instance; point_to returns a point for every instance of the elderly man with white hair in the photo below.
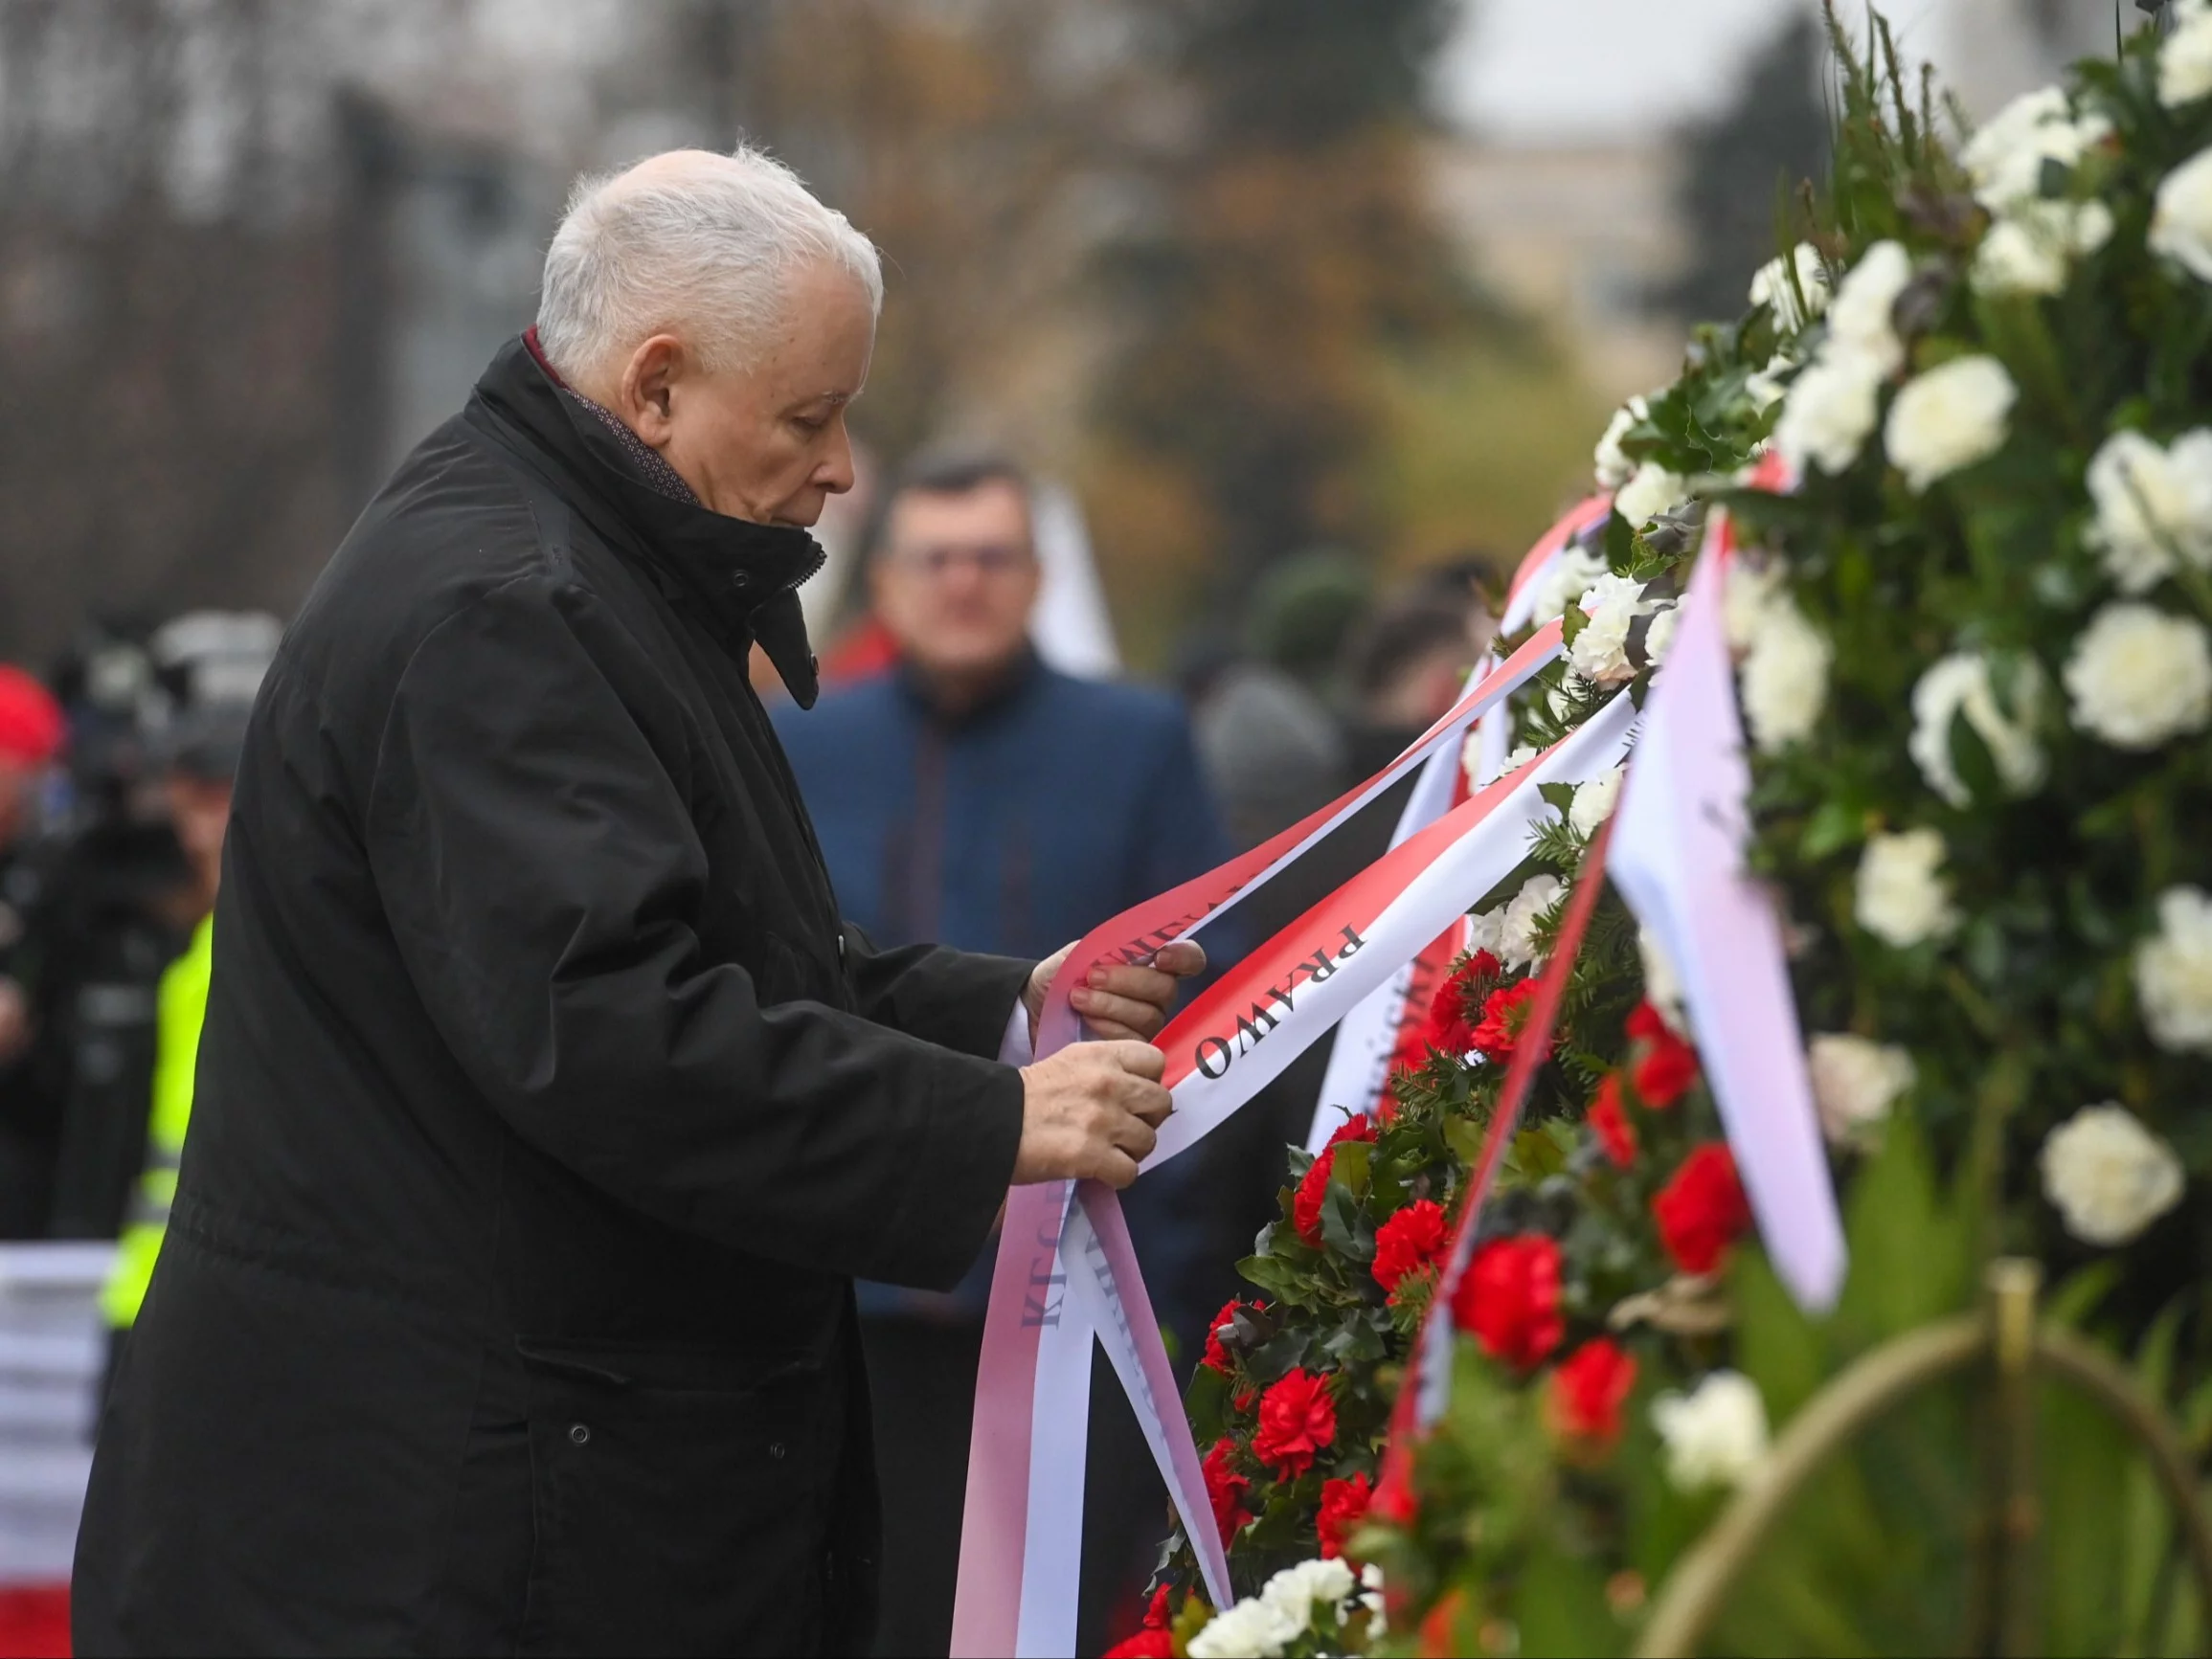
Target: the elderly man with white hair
pixel 546 1105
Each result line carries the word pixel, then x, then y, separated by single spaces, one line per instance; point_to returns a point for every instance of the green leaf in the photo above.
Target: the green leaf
pixel 1346 1226
pixel 1350 1166
pixel 1206 1403
pixel 1464 1137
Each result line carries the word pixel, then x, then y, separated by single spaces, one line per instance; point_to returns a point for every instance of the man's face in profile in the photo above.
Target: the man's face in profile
pixel 957 580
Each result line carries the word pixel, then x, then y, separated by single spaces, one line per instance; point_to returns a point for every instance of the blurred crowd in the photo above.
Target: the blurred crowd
pixel 964 792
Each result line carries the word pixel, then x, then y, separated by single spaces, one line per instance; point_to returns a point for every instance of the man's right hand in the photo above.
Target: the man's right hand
pixel 1089 1111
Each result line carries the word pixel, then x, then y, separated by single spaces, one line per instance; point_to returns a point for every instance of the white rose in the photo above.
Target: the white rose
pixel 1659 638
pixel 2173 973
pixel 1948 419
pixel 1772 287
pixel 1594 801
pixel 1902 897
pixel 1600 651
pixel 1785 678
pixel 1486 930
pixel 1751 589
pixel 2031 248
pixel 1517 946
pixel 1613 467
pixel 1829 410
pixel 1649 493
pixel 1855 1083
pixel 2108 1177
pixel 1961 683
pixel 1255 1628
pixel 2139 676
pixel 1662 986
pixel 1296 1589
pixel 2181 220
pixel 1566 580
pixel 1859 322
pixel 2005 159
pixel 2185 62
pixel 1714 1436
pixel 2150 504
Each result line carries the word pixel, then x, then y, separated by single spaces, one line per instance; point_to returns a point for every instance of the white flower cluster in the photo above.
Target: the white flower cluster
pixel 1772 286
pixel 2173 973
pixel 2154 506
pixel 1831 408
pixel 1902 895
pixel 1855 1083
pixel 2139 677
pixel 1594 801
pixel 1612 604
pixel 1785 676
pixel 1613 467
pixel 2182 216
pixel 1962 684
pixel 2006 158
pixel 2108 1177
pixel 1264 1625
pixel 1949 418
pixel 1567 579
pixel 1716 1435
pixel 1509 931
pixel 2185 60
pixel 1649 493
pixel 2032 247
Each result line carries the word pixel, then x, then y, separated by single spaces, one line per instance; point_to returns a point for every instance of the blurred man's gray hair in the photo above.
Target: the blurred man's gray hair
pixel 692 244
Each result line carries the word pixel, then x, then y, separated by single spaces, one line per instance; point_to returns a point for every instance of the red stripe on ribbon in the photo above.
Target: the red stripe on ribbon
pixel 1393 1497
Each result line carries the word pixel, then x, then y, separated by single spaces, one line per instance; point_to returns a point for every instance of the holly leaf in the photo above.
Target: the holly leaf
pixel 1206 1401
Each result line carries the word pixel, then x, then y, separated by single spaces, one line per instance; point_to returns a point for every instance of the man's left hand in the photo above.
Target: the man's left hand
pixel 1117 1001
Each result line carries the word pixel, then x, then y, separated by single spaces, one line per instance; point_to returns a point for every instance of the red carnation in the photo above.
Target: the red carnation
pixel 1504 1016
pixel 1668 1066
pixel 1314 1185
pixel 1154 1640
pixel 1343 1507
pixel 1226 1488
pixel 1508 1299
pixel 1589 1389
pixel 1216 1356
pixel 1615 1132
pixel 1446 1030
pixel 1296 1419
pixel 1408 1242
pixel 1701 1212
pixel 1646 1023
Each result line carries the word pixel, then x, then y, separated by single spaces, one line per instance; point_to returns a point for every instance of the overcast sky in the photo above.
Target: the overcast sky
pixel 1555 71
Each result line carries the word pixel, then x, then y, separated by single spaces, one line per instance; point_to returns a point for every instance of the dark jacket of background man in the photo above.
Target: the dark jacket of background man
pixel 545 1108
pixel 975 796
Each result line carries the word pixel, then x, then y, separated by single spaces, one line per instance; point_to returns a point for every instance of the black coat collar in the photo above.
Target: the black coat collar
pixel 746 574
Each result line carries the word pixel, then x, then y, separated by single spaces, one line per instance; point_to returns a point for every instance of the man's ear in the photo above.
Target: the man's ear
pixel 650 387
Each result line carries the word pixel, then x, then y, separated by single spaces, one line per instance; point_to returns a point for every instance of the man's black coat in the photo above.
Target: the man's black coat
pixel 546 1109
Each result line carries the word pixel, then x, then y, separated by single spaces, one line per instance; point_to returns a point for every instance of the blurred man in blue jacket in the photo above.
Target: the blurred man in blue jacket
pixel 975 797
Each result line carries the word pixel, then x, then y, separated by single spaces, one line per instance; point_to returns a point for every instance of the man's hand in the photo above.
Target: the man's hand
pixel 1118 1000
pixel 1089 1111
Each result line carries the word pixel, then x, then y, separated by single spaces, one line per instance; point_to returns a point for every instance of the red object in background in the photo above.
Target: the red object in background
pixel 861 653
pixel 32 728
pixel 34 1621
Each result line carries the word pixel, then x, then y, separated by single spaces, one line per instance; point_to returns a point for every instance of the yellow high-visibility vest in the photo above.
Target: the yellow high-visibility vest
pixel 183 1009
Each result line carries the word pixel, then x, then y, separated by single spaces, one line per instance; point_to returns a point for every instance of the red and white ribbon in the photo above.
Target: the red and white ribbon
pixel 1677 858
pixel 1022 1530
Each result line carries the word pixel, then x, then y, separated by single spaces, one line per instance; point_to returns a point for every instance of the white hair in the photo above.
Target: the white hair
pixel 693 242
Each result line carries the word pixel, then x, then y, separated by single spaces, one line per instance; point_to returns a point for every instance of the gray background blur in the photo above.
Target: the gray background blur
pixel 1251 274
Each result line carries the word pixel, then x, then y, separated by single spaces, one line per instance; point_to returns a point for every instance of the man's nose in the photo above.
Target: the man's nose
pixel 835 472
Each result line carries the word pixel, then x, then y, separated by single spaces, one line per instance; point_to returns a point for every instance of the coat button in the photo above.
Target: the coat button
pixel 776 1450
pixel 841 947
pixel 742 580
pixel 580 1433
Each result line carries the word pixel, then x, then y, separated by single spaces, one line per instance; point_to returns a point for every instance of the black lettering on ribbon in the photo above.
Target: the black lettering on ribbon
pixel 1041 1305
pixel 1213 1048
